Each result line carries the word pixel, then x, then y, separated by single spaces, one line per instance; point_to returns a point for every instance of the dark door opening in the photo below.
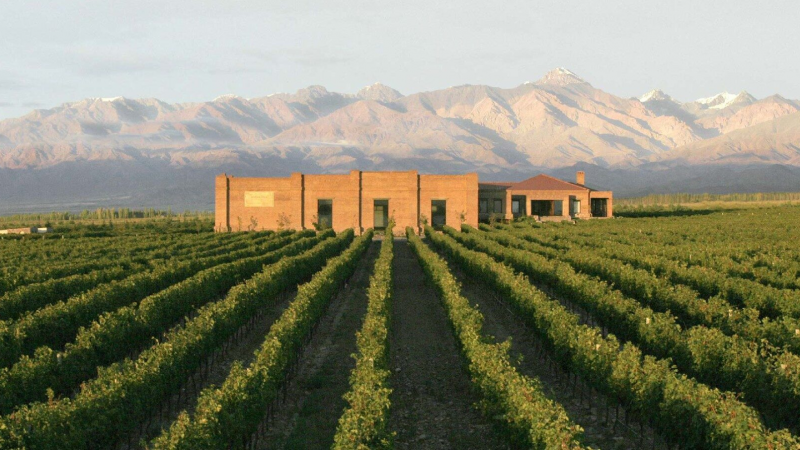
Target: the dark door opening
pixel 518 205
pixel 324 214
pixel 438 213
pixel 381 214
pixel 574 207
pixel 599 207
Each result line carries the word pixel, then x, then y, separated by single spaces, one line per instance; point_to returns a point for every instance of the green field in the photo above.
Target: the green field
pixel 668 328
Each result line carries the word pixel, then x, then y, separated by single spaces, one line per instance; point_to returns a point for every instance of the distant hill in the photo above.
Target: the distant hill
pixel 102 149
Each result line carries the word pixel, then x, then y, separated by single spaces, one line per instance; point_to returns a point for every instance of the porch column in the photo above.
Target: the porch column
pixel 509 214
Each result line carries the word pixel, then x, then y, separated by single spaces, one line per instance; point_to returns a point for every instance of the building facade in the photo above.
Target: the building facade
pixel 362 200
pixel 357 200
pixel 545 197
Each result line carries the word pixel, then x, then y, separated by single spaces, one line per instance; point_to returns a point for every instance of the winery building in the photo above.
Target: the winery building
pixel 362 200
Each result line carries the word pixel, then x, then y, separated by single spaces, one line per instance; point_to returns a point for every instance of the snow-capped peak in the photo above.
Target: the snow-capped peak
pixel 717 100
pixel 379 92
pixel 563 71
pixel 103 99
pixel 560 77
pixel 725 99
pixel 226 97
pixel 655 95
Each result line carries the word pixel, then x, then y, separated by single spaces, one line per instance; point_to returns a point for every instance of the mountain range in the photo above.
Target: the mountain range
pixel 119 150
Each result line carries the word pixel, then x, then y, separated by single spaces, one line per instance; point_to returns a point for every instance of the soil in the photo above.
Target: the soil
pixel 603 421
pixel 432 401
pixel 309 416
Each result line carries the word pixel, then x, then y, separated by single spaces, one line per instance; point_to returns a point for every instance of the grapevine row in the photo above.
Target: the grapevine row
pixel 517 401
pixel 37 295
pixel 111 406
pixel 684 411
pixel 770 301
pixel 363 423
pixel 57 324
pixel 35 268
pixel 707 281
pixel 768 377
pixel 226 417
pixel 662 295
pixel 126 330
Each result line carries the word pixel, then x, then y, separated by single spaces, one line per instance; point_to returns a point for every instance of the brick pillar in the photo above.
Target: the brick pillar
pixel 471 187
pixel 360 226
pixel 222 219
pixel 298 195
pixel 509 212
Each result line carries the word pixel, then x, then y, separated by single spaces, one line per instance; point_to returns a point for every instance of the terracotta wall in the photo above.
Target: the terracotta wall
pixel 460 193
pixel 286 210
pixel 399 188
pixel 344 190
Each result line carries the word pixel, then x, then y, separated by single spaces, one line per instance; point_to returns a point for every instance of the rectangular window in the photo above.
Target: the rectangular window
pixel 324 214
pixel 542 208
pixel 576 207
pixel 498 205
pixel 515 206
pixel 483 206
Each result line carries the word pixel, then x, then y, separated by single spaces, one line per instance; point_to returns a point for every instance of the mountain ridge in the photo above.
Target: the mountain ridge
pixel 556 122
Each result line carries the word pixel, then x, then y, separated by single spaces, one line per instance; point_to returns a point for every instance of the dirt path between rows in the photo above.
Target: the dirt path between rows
pixel 585 407
pixel 310 414
pixel 432 402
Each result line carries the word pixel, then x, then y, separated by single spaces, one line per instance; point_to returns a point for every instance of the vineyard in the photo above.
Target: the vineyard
pixel 673 331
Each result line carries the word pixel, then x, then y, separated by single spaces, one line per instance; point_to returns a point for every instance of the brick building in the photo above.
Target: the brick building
pixel 362 200
pixel 546 197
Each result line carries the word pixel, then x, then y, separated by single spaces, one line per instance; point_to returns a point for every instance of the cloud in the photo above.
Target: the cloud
pixel 320 60
pixel 8 84
pixel 114 65
pixel 300 57
pixel 235 70
pixel 23 105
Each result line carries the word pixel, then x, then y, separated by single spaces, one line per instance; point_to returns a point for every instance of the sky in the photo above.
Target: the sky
pixel 52 52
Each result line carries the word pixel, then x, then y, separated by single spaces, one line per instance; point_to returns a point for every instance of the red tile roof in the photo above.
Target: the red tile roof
pixel 546 183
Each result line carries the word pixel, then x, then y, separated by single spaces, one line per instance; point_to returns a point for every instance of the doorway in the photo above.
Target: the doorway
pixel 518 205
pixel 381 220
pixel 574 207
pixel 324 214
pixel 599 207
pixel 438 213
